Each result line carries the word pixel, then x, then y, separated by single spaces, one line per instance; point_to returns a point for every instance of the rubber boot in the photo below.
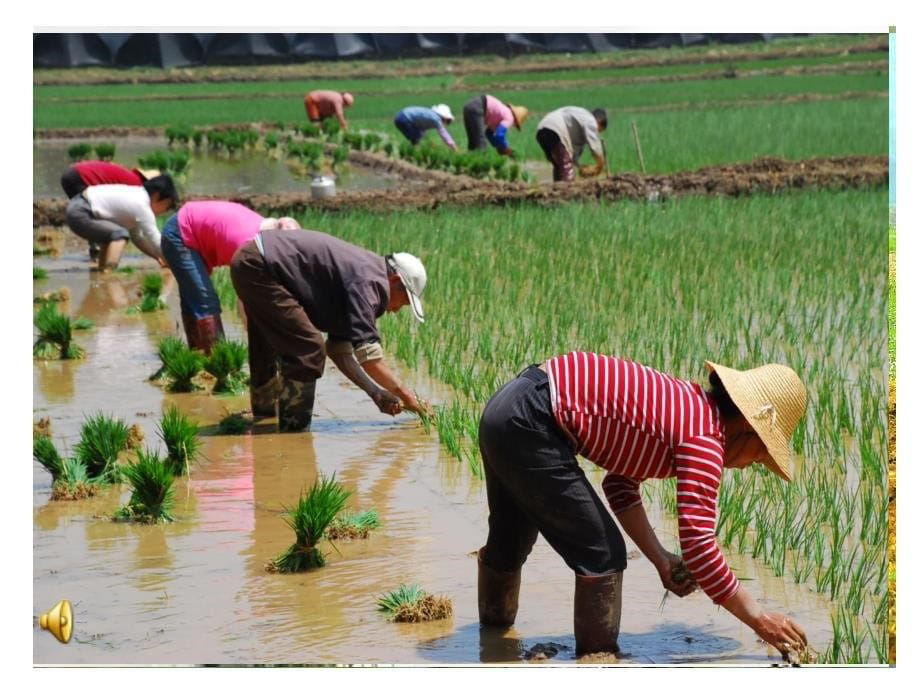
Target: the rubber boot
pixel 210 330
pixel 94 251
pixel 498 595
pixel 598 601
pixel 563 166
pixel 264 399
pixel 295 405
pixel 190 326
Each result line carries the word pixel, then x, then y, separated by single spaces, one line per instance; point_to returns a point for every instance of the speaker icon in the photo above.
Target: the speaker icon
pixel 59 621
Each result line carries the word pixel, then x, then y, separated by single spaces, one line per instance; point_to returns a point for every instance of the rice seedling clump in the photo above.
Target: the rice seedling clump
pixel 180 435
pixel 70 478
pixel 310 517
pixel 152 490
pixel 151 291
pixel 181 365
pixel 234 424
pixel 353 525
pixel 166 349
pixel 102 438
pixel 55 335
pixel 412 604
pixel 225 363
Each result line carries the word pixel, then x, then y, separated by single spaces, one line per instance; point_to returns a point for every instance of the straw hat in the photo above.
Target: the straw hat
pixel 520 114
pixel 148 174
pixel 347 98
pixel 772 400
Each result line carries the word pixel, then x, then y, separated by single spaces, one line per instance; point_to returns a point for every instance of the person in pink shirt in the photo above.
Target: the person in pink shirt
pixel 322 104
pixel 197 239
pixel 487 118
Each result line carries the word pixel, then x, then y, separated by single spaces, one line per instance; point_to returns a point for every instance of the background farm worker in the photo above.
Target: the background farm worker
pixel 200 237
pixel 296 285
pixel 323 104
pixel 85 174
pixel 486 117
pixel 563 134
pixel 636 423
pixel 415 120
pixel 109 214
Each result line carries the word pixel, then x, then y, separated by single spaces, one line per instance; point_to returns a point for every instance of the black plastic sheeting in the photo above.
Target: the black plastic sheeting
pixel 183 50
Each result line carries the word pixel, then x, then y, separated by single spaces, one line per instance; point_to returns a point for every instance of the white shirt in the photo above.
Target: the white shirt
pixel 129 207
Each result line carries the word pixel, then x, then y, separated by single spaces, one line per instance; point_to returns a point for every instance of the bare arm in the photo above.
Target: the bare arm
pixel 635 522
pixel 348 365
pixel 773 628
pixel 378 370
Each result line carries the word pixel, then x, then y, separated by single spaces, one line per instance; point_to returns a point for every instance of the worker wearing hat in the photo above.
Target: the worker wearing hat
pixel 563 135
pixel 636 423
pixel 295 285
pixel 487 118
pixel 414 121
pixel 85 174
pixel 322 104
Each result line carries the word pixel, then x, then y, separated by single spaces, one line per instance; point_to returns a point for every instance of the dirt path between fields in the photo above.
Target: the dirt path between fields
pixel 422 67
pixel 768 175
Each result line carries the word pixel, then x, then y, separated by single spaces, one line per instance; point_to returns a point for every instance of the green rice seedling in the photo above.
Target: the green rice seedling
pixel 102 438
pixel 271 141
pixel 174 162
pixel 234 424
pixel 166 349
pixel 82 323
pixel 310 518
pixel 225 363
pixel 105 151
pixel 45 452
pixel 152 490
pixel 182 365
pixel 74 482
pixel 79 152
pixel 331 127
pixel 309 130
pixel 412 604
pixel 197 137
pixel 55 334
pixel 178 133
pixel 39 273
pixel 151 291
pixel 339 156
pixel 180 436
pixel 353 525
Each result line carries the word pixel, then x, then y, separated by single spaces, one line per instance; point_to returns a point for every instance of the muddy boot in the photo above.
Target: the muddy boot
pixel 94 251
pixel 210 330
pixel 598 600
pixel 498 595
pixel 190 326
pixel 295 405
pixel 264 399
pixel 563 166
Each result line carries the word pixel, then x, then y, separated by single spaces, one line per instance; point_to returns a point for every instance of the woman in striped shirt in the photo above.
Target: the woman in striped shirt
pixel 637 423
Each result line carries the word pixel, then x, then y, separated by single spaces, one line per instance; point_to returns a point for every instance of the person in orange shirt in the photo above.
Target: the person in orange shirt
pixel 322 104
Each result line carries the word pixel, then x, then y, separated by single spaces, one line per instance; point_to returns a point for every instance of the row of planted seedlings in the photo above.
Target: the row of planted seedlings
pixel 797 279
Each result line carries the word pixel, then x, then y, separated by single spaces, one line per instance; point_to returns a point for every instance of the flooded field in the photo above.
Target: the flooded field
pixel 195 591
pixel 209 173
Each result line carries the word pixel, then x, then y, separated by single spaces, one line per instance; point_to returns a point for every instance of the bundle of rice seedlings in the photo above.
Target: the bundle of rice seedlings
pixel 353 525
pixel 152 490
pixel 151 289
pixel 412 604
pixel 102 438
pixel 166 349
pixel 181 366
pixel 39 273
pixel 225 363
pixel 309 519
pixel 82 323
pixel 180 435
pixel 234 424
pixel 61 295
pixel 55 334
pixel 45 452
pixel 74 483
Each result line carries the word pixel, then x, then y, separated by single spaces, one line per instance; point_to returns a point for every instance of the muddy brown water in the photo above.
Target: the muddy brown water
pixel 195 591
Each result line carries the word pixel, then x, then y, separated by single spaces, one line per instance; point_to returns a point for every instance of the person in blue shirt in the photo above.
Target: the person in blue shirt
pixel 414 121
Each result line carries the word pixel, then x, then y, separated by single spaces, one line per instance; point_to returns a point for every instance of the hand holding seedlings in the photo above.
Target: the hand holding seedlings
pixel 675 576
pixel 783 633
pixel 386 402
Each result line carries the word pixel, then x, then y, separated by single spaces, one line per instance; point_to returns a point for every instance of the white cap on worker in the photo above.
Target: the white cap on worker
pixel 444 111
pixel 413 276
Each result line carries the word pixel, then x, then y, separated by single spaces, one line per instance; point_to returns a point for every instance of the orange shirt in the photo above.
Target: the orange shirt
pixel 323 104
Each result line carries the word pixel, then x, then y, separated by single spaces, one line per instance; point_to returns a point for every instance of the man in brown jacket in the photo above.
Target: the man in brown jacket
pixel 294 286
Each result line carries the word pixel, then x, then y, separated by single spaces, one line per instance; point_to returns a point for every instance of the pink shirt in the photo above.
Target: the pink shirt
pixel 216 229
pixel 497 113
pixel 638 423
pixel 328 103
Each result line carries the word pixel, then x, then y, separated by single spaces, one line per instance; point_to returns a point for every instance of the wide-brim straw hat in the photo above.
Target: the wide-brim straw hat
pixel 772 400
pixel 520 114
pixel 148 173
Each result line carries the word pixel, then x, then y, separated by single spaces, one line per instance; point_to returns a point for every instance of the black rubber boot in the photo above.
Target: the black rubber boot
pixel 498 595
pixel 295 405
pixel 598 602
pixel 264 399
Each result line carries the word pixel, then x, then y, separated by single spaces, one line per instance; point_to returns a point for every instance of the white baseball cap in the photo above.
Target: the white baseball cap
pixel 443 110
pixel 413 276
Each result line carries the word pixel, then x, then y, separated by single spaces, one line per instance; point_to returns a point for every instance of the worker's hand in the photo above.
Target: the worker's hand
pixel 508 152
pixel 675 576
pixel 419 406
pixel 386 402
pixel 162 262
pixel 589 170
pixel 782 632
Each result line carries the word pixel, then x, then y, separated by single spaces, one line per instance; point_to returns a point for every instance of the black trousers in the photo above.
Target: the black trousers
pixel 72 183
pixel 535 485
pixel 474 121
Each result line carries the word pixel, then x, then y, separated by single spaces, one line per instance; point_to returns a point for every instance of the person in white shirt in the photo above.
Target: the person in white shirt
pixel 110 214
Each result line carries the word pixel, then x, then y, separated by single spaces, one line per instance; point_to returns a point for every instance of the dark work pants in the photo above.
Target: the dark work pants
pixel 474 121
pixel 534 484
pixel 276 323
pixel 556 153
pixel 72 183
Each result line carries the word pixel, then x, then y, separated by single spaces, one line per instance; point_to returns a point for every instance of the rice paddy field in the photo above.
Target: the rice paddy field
pixel 799 277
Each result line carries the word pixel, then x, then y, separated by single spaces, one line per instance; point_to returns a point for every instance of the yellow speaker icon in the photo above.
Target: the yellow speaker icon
pixel 59 621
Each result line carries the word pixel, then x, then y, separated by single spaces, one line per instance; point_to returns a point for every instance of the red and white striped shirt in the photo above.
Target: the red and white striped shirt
pixel 638 423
